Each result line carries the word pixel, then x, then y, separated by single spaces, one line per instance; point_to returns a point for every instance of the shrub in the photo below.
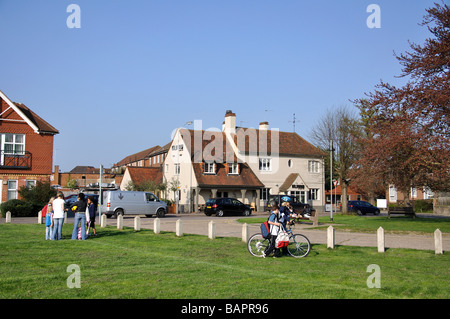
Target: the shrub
pixel 423 205
pixel 19 208
pixel 38 195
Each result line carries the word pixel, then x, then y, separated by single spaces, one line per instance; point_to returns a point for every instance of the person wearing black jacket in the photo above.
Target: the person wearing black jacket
pixel 80 217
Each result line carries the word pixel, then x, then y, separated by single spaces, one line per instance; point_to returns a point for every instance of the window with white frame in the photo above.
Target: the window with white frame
pixel 209 168
pixel 264 164
pixel 12 189
pixel 233 168
pixel 13 143
pixel 313 166
pixel 427 193
pixel 264 195
pixel 31 183
pixel 313 194
pixel 177 169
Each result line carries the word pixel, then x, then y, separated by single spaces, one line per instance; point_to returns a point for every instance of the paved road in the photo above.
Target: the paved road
pixel 229 227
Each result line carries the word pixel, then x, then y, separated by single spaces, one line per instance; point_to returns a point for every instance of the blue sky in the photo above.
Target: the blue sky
pixel 136 70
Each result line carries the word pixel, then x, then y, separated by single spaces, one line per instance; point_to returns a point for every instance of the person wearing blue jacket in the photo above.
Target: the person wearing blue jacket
pixel 276 221
pixel 92 207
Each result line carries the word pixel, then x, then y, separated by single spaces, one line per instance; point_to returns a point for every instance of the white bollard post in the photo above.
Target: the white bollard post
pixel 8 217
pixel 380 240
pixel 137 223
pixel 245 232
pixel 179 228
pixel 119 222
pixel 330 237
pixel 103 221
pixel 156 226
pixel 438 250
pixel 40 217
pixel 211 230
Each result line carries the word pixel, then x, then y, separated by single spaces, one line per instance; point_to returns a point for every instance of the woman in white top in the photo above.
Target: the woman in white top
pixel 58 216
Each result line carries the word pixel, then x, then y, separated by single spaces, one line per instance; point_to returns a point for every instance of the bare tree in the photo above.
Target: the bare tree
pixel 341 125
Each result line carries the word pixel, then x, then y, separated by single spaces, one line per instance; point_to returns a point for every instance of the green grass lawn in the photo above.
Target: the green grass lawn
pixel 397 224
pixel 129 264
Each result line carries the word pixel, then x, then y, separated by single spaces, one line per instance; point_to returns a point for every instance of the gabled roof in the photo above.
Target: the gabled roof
pixel 221 179
pixel 290 180
pixel 138 156
pixel 141 174
pixel 289 144
pixel 38 124
pixel 246 141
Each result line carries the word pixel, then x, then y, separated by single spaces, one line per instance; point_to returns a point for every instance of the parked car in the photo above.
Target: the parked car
pixel 70 199
pixel 298 206
pixel 362 207
pixel 222 206
pixel 132 203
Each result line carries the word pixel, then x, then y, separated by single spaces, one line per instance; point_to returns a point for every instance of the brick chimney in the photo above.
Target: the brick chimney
pixel 264 126
pixel 230 122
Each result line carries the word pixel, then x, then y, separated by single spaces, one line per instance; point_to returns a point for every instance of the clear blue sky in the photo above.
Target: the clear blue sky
pixel 136 70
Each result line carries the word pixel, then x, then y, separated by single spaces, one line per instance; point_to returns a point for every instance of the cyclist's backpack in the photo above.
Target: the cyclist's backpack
pixel 265 229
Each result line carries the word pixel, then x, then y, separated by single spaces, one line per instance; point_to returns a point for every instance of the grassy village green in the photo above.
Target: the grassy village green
pixel 369 223
pixel 129 264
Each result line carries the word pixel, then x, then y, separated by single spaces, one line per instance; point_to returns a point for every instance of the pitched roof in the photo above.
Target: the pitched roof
pixel 42 125
pixel 245 179
pixel 141 174
pixel 38 124
pixel 246 141
pixel 249 141
pixel 290 180
pixel 138 156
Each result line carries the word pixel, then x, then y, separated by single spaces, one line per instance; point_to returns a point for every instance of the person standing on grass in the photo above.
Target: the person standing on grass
pixel 92 207
pixel 80 217
pixel 48 209
pixel 275 221
pixel 58 216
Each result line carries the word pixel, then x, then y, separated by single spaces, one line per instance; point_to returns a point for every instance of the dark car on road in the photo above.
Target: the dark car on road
pixel 361 207
pixel 298 206
pixel 226 206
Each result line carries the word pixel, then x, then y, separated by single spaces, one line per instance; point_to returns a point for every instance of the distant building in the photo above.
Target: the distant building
pixel 26 148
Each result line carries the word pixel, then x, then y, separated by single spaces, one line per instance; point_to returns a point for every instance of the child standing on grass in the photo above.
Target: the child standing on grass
pixel 92 207
pixel 49 219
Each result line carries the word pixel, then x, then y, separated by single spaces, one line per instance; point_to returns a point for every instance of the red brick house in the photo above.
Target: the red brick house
pixel 26 148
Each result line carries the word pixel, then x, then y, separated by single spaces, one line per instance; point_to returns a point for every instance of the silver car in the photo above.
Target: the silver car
pixel 132 203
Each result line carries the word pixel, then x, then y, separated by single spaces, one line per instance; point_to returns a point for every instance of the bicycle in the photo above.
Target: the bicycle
pixel 299 245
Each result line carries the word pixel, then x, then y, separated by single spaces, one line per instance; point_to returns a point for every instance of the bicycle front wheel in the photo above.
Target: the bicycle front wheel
pixel 299 246
pixel 257 245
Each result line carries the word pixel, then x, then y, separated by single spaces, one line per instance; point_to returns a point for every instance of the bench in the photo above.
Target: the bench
pixel 314 217
pixel 402 211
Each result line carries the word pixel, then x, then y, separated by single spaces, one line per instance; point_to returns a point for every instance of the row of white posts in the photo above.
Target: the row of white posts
pixel 438 249
pixel 245 231
pixel 178 227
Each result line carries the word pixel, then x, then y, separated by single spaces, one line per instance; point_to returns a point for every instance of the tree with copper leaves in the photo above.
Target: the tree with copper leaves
pixel 409 144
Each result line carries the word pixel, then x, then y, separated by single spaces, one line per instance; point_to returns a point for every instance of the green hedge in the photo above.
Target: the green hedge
pixel 19 208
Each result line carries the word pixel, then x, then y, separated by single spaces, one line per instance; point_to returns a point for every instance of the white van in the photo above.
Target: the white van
pixel 132 203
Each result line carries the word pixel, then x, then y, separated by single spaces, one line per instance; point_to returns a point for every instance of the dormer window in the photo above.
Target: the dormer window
pixel 209 168
pixel 233 168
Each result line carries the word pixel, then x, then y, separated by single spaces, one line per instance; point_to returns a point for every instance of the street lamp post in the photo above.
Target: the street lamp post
pixel 331 179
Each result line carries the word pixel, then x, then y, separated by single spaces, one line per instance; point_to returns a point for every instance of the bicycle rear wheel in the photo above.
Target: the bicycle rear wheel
pixel 256 245
pixel 299 246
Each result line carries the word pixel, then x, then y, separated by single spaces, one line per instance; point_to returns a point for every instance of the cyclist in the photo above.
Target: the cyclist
pixel 275 221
